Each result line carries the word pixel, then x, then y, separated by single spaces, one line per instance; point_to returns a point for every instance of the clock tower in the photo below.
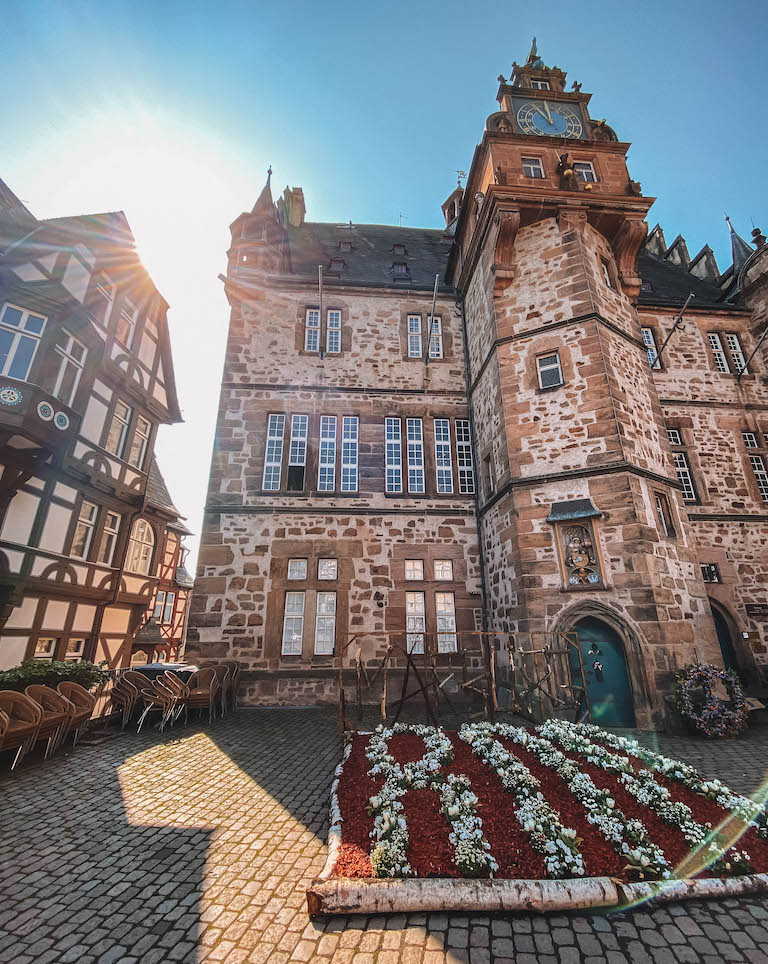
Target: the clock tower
pixel 578 494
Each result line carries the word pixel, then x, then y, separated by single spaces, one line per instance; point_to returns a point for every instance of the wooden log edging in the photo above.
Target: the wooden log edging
pixel 668 890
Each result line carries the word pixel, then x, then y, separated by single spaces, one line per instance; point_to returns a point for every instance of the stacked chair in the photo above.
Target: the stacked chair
pixel 43 713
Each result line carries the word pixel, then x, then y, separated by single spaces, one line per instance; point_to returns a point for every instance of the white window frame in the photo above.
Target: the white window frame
pixel 651 348
pixel 293 623
pixel 664 514
pixel 312 330
pixel 443 460
pixel 393 444
pixel 297 569
pixel 415 445
pixel 414 570
pixel 138 559
pixel 68 359
pixel 415 621
pixel 464 459
pixel 533 167
pixel 327 570
pixel 585 171
pixel 435 328
pixel 608 273
pixel 273 452
pixel 20 333
pixel 333 331
pixel 75 649
pixel 45 647
pixel 710 569
pixel 106 289
pixel 443 570
pixel 109 534
pixel 540 84
pixel 445 611
pixel 159 604
pixel 750 440
pixel 297 452
pixel 141 433
pixel 350 434
pixel 553 366
pixel 124 421
pixel 87 518
pixel 675 436
pixel 129 314
pixel 761 475
pixel 685 476
pixel 736 352
pixel 325 623
pixel 326 462
pixel 415 349
pixel 170 603
pixel 718 353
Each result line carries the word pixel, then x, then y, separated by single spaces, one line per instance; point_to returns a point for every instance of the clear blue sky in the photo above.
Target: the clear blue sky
pixel 172 110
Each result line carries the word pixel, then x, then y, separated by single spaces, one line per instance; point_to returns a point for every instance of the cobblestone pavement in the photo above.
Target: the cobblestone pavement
pixel 198 846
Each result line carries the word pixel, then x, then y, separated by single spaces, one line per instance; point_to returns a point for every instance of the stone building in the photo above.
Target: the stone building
pixel 88 532
pixel 517 448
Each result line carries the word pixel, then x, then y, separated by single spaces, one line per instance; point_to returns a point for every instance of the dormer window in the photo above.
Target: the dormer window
pixel 337 265
pixel 345 245
pixel 540 85
pixel 400 269
pixel 399 249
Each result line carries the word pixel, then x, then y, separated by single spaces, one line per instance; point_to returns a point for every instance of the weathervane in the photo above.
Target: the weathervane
pixel 460 175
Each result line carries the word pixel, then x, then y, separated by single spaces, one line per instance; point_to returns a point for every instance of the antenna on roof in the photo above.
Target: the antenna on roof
pixel 401 218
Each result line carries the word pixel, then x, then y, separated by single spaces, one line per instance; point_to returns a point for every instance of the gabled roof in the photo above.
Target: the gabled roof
pixel 15 219
pixel 671 284
pixel 370 260
pixel 157 491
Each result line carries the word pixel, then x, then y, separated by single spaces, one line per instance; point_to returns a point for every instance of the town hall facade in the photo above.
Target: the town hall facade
pixel 541 419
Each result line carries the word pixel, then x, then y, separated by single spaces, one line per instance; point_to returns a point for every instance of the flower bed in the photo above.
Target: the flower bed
pixel 561 802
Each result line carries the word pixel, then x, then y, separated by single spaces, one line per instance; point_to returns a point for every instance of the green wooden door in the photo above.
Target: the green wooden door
pixel 606 674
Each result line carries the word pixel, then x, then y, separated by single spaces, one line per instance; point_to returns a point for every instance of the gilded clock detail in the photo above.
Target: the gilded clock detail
pixel 557 120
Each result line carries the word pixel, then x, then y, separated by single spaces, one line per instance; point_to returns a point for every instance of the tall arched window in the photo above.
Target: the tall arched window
pixel 140 546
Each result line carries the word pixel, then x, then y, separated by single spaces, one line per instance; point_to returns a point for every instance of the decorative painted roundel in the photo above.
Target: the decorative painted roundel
pixel 45 411
pixel 61 420
pixel 10 395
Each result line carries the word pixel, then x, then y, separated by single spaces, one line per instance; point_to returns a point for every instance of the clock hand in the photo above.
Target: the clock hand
pixel 541 112
pixel 549 116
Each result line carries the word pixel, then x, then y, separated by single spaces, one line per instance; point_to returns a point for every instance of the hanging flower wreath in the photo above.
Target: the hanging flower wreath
pixel 697 703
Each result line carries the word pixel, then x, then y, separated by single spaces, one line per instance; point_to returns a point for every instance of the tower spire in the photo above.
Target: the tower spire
pixel 264 204
pixel 740 250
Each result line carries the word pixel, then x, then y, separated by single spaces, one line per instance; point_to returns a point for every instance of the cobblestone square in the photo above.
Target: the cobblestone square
pixel 198 845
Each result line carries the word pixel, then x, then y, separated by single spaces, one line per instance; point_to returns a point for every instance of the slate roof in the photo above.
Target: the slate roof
pixel 672 284
pixel 157 491
pixel 371 258
pixel 15 220
pixel 183 578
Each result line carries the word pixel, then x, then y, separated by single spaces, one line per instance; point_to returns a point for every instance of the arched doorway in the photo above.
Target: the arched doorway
pixel 725 639
pixel 605 671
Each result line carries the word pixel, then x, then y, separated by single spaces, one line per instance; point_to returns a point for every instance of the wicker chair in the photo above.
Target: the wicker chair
pixel 57 713
pixel 234 680
pixel 24 716
pixel 179 689
pixel 124 696
pixel 224 679
pixel 203 688
pixel 84 703
pixel 156 695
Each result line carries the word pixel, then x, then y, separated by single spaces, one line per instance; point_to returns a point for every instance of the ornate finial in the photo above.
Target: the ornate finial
pixel 576 86
pixel 459 176
pixel 533 53
pixel 730 226
pixel 269 172
pixel 501 79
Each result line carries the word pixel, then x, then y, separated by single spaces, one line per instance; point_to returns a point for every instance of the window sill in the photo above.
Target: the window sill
pixel 549 388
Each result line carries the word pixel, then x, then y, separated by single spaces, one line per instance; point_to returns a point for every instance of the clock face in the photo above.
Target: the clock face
pixel 540 117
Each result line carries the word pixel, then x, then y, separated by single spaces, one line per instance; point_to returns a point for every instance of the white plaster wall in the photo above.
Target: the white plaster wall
pixel 21 515
pixel 55 528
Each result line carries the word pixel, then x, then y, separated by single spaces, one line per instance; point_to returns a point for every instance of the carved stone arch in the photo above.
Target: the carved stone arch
pixel 742 656
pixel 60 569
pixel 500 122
pixel 633 642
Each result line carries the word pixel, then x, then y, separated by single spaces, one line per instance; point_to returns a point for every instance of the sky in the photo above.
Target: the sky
pixel 172 110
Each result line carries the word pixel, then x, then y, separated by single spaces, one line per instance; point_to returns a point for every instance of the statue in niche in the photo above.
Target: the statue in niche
pixel 582 567
pixel 500 176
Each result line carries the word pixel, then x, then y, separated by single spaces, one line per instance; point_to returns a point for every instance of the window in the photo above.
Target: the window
pixel 20 332
pixel 325 624
pixel 539 85
pixel 399 249
pixel 415 623
pixel 293 623
pixel 334 331
pixel 159 603
pixel 415 437
pixel 394 455
pixel 71 354
pixel 646 286
pixel 414 570
pixel 765 439
pixel 336 267
pixel 585 171
pixel 118 429
pixel 75 650
pixel 651 349
pixel 164 606
pixel 738 362
pixel 443 467
pixel 414 336
pixel 86 524
pixel 435 337
pixel 326 469
pixel 761 475
pixel 664 515
pixel 140 546
pixel 607 272
pixel 103 299
pixel 345 245
pixel 126 322
pixel 139 442
pixel 490 480
pixel 750 440
pixel 445 607
pixel 273 456
pixel 297 568
pixel 684 474
pixel 444 569
pixel 297 453
pixel 108 538
pixel 349 438
pixel 312 330
pixel 400 269
pixel 45 647
pixel 675 436
pixel 533 167
pixel 710 572
pixel 464 457
pixel 549 370
pixel 327 569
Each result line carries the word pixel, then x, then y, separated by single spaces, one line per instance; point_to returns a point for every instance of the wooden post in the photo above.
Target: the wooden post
pixel 384 691
pixel 358 661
